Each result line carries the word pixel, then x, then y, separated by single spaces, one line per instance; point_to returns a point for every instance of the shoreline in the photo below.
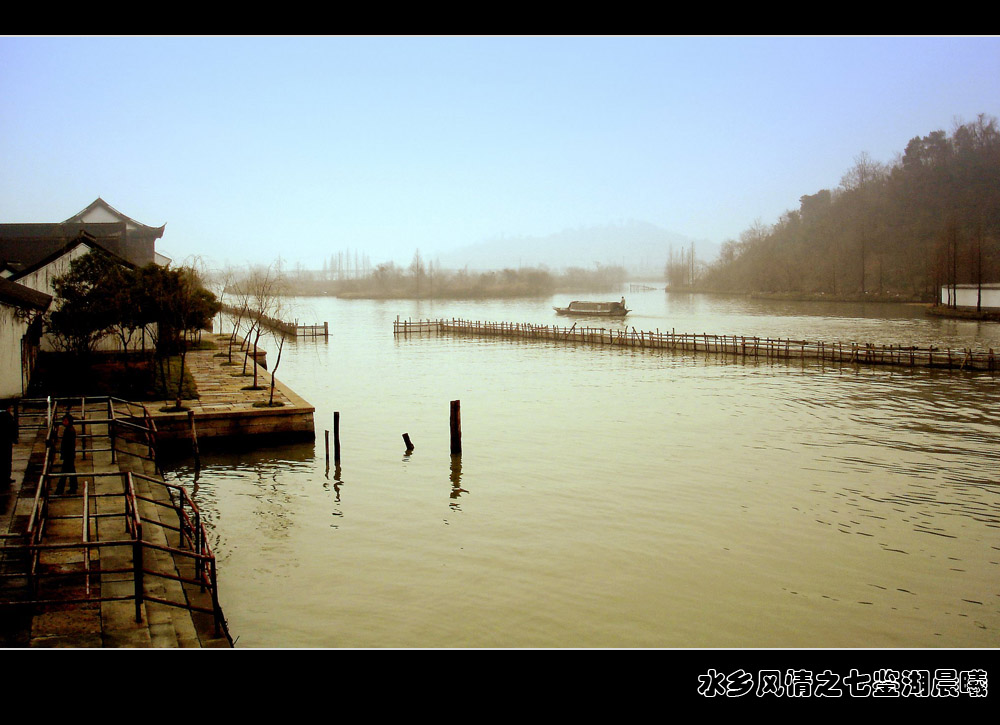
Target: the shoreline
pixel 964 313
pixel 224 410
pixel 820 297
pixel 773 296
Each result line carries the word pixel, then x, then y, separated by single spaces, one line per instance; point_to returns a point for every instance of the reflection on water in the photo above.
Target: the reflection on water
pixel 255 481
pixel 617 497
pixel 338 482
pixel 456 481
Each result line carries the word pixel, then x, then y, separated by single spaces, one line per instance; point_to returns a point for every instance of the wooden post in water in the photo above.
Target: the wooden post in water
pixel 326 435
pixel 406 440
pixel 336 437
pixel 456 427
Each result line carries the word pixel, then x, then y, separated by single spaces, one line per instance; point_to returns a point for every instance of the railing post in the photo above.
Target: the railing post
pixel 199 563
pixel 111 429
pixel 137 574
pixel 216 609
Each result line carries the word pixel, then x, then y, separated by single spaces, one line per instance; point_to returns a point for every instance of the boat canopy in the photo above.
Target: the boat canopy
pixel 595 306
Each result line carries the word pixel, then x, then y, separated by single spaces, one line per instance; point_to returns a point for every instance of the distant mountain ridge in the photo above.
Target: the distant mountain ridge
pixel 641 247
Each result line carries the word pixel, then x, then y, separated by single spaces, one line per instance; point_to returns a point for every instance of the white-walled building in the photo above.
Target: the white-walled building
pixel 966 295
pixel 39 277
pixel 21 309
pixel 32 255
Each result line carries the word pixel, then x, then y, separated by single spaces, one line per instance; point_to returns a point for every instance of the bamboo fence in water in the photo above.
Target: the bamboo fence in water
pixel 740 346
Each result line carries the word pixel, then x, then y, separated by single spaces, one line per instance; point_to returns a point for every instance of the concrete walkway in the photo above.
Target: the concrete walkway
pixel 68 623
pixel 224 409
pixel 220 385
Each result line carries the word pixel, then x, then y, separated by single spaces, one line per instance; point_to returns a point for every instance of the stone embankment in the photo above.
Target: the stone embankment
pixel 83 565
pixel 226 409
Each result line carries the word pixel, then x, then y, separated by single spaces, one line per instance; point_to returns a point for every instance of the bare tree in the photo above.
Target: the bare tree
pixel 239 310
pixel 865 172
pixel 280 337
pixel 264 288
pixel 863 179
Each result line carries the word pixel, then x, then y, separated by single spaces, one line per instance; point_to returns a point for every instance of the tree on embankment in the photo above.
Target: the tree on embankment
pixel 256 306
pixel 101 297
pixel 175 305
pixel 92 299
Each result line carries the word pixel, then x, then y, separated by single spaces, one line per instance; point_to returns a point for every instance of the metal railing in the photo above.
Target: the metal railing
pixel 194 563
pixel 192 548
pixel 126 420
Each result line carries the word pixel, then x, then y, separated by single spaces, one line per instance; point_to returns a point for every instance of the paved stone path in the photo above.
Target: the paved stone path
pixel 221 390
pixel 98 624
pixel 226 408
pixel 220 386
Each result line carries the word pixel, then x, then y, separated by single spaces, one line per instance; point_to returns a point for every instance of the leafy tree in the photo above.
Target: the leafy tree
pixel 175 304
pixel 93 299
pixel 101 295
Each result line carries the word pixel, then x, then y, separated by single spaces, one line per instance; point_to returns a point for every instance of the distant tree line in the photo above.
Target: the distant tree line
pixel 346 265
pixel 423 280
pixel 681 269
pixel 929 219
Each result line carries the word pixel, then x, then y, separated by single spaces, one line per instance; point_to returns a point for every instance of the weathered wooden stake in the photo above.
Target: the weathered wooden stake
pixel 327 437
pixel 336 437
pixel 456 427
pixel 406 440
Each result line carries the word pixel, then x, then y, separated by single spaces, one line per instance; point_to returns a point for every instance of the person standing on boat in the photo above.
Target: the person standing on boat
pixel 623 303
pixel 67 452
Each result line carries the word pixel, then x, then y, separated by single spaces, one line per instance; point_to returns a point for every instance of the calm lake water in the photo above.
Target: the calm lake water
pixel 617 497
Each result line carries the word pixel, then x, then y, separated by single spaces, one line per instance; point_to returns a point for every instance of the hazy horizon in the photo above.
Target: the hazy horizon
pixel 248 148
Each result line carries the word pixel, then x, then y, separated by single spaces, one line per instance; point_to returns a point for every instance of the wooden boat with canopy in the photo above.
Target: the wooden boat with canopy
pixel 594 309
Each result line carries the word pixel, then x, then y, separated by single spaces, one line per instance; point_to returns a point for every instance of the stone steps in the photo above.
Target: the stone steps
pixel 70 623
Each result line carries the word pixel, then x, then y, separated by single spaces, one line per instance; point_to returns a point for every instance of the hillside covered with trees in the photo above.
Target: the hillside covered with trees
pixel 891 231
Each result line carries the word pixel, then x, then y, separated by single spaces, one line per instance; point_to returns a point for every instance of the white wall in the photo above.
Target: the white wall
pixel 11 331
pixel 966 295
pixel 100 215
pixel 41 279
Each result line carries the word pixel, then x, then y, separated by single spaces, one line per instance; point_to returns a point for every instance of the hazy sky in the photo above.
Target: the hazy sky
pixel 251 147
